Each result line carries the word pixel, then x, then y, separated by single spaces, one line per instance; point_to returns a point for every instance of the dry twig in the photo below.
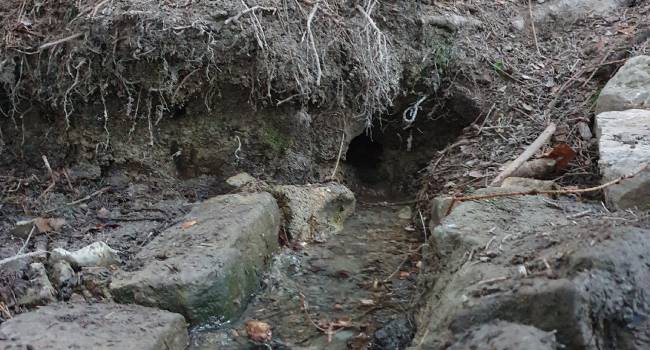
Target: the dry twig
pixel 250 9
pixel 338 158
pixel 529 152
pixel 548 192
pixel 20 256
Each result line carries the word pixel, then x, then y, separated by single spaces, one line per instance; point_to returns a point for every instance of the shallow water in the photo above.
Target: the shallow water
pixel 335 294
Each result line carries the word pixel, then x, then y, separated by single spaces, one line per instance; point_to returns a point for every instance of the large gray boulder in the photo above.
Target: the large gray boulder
pixel 628 89
pixel 500 335
pixel 624 144
pixel 209 264
pixel 530 261
pixel 314 212
pixel 95 326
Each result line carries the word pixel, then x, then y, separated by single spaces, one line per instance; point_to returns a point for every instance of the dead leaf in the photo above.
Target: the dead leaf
pixel 188 224
pixel 404 275
pixel 628 31
pixel 476 174
pixel 258 331
pixel 367 302
pixel 563 154
pixel 49 225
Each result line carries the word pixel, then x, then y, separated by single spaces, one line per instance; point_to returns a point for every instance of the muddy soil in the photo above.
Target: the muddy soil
pixel 354 291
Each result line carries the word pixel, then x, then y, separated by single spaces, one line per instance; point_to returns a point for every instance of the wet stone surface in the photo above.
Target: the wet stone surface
pixel 358 287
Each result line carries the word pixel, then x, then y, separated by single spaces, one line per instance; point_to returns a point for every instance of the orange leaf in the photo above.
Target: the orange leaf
pixel 258 331
pixel 188 224
pixel 563 154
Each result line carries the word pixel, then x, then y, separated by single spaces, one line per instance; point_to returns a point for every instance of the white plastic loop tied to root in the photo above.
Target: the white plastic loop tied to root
pixel 411 113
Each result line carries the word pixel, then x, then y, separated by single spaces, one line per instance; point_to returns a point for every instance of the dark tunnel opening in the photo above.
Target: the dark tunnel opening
pixel 366 154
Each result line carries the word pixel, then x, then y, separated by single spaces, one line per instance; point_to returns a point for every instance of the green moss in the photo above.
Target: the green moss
pixel 442 52
pixel 273 138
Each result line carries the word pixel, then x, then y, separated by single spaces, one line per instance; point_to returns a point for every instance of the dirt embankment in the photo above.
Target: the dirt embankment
pixel 207 88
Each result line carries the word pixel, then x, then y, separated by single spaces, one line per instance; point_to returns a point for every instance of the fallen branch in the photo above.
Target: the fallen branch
pixel 532 26
pixel 20 256
pixel 27 240
pixel 455 200
pixel 86 198
pixel 329 331
pixel 591 76
pixel 51 173
pixel 529 152
pixel 60 41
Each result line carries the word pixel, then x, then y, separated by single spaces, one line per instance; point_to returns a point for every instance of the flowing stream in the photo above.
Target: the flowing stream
pixel 352 291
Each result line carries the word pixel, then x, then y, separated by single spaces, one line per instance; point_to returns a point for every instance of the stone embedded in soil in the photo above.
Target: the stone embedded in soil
pixel 40 290
pixel 565 11
pixel 207 265
pixel 590 292
pixel 314 212
pixel 396 334
pixel 505 335
pixel 628 89
pixel 527 184
pixel 95 326
pixel 240 180
pixel 624 144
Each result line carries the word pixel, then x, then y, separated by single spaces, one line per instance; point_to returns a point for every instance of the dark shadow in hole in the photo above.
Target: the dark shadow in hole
pixel 366 155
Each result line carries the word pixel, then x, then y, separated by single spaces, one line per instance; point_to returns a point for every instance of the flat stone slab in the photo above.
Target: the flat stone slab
pixel 624 144
pixel 208 264
pixel 628 89
pixel 95 326
pixel 314 212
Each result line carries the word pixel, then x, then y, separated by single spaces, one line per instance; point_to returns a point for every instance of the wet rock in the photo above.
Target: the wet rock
pixel 396 334
pixel 314 212
pixel 624 144
pixel 40 290
pixel 628 89
pixel 505 336
pixel 207 265
pixel 405 213
pixel 527 184
pixel 240 180
pixel 64 278
pixel 23 228
pixel 96 254
pixel 439 209
pixel 95 282
pixel 95 326
pixel 583 278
